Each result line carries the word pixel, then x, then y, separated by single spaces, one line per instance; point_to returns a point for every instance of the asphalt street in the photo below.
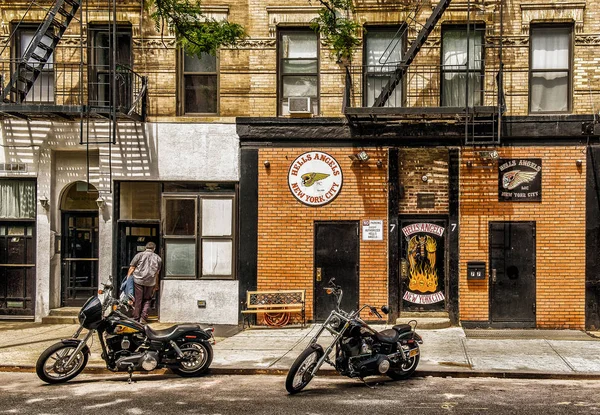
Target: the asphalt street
pixel 24 393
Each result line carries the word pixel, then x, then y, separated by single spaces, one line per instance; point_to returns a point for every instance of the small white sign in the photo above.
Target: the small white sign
pixel 372 230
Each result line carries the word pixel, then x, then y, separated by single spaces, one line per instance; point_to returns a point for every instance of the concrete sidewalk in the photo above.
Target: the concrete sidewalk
pixel 445 352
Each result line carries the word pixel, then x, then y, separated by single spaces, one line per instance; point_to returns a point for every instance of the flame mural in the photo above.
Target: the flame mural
pixel 422 258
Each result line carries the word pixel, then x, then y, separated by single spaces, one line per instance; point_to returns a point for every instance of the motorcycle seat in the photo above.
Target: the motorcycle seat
pixel 171 332
pixel 402 328
pixel 388 336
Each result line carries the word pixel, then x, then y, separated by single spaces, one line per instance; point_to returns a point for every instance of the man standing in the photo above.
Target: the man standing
pixel 144 267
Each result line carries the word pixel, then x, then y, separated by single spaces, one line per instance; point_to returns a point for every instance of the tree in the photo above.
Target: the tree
pixel 196 34
pixel 339 33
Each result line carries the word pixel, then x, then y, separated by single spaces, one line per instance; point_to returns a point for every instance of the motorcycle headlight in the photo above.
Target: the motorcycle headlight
pixel 335 323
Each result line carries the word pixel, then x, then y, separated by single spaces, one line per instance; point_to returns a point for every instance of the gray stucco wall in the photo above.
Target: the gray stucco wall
pixel 152 151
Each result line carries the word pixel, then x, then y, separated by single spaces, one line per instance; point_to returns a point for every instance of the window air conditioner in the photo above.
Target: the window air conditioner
pixel 299 106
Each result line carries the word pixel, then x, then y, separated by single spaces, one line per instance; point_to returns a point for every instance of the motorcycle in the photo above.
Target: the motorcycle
pixel 360 351
pixel 127 345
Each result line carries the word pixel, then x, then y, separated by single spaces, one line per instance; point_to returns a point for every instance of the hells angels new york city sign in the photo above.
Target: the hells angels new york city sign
pixel 520 180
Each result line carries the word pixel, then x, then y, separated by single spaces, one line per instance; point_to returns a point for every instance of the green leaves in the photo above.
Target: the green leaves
pixel 338 32
pixel 193 32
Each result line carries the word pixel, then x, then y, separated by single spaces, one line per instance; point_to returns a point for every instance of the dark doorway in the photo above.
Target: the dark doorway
pixel 423 259
pixel 133 237
pixel 336 256
pixel 79 257
pixel 17 269
pixel 512 274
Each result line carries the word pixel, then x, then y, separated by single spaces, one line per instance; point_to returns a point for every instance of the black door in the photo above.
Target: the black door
pixel 79 257
pixel 133 237
pixel 512 274
pixel 336 256
pixel 17 269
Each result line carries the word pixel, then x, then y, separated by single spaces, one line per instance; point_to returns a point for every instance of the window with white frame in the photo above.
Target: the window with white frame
pixel 298 68
pixel 462 66
pixel 550 69
pixel 199 236
pixel 200 83
pixel 382 53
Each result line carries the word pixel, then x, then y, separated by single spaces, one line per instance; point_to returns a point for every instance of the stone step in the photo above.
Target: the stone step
pixel 65 311
pixel 426 319
pixel 60 320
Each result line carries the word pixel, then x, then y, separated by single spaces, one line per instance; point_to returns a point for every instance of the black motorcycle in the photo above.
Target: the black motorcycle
pixel 360 351
pixel 127 345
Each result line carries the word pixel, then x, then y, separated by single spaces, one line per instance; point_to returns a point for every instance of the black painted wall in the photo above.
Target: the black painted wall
pixel 393 241
pixel 248 224
pixel 453 234
pixel 592 265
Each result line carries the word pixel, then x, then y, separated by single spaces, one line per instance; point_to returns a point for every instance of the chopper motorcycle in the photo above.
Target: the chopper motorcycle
pixel 360 351
pixel 127 345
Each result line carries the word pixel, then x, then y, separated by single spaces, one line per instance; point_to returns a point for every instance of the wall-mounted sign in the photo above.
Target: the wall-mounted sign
pixel 372 230
pixel 475 270
pixel 315 178
pixel 425 200
pixel 520 180
pixel 423 251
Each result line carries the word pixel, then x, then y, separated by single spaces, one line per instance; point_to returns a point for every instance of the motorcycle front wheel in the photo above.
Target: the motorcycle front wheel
pixel 300 373
pixel 197 357
pixel 405 369
pixel 51 366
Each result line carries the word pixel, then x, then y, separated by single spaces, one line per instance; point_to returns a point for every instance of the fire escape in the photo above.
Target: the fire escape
pixel 411 91
pixel 44 78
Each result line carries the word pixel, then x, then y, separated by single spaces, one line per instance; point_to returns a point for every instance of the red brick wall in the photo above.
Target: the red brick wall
pixel 286 226
pixel 560 232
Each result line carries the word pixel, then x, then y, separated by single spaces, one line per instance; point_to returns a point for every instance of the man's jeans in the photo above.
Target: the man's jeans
pixel 143 297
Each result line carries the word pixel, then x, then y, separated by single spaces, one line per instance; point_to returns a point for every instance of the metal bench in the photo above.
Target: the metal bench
pixel 276 306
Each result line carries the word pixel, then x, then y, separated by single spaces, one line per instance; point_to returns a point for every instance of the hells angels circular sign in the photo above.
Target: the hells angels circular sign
pixel 315 178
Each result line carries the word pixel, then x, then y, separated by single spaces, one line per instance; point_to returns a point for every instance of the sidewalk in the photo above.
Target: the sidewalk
pixel 445 352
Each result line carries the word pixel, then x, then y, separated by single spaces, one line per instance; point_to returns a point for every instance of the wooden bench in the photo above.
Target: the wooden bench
pixel 276 306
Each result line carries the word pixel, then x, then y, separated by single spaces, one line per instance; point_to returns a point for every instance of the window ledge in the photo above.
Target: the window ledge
pixel 552 12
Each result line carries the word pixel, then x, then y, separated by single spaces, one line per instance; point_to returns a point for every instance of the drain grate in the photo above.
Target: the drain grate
pixel 522 334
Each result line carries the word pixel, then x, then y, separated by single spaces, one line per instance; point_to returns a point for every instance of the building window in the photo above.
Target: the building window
pixel 199 236
pixel 139 200
pixel 100 78
pixel 17 199
pixel 200 84
pixel 550 73
pixel 382 53
pixel 460 64
pixel 43 87
pixel 298 70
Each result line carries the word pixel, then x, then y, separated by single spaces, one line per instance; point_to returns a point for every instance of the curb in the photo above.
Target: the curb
pixel 332 373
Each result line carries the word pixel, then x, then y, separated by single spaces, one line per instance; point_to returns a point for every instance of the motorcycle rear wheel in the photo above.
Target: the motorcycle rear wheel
pixel 299 375
pixel 405 369
pixel 198 357
pixel 50 366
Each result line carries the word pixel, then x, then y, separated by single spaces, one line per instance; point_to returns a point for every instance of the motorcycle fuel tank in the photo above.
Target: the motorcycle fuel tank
pixel 125 327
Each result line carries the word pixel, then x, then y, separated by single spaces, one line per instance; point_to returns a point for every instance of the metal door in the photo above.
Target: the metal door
pixel 133 237
pixel 336 256
pixel 512 274
pixel 17 269
pixel 79 257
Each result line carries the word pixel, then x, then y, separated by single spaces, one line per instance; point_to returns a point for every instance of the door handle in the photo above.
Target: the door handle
pixel 319 274
pixel 494 275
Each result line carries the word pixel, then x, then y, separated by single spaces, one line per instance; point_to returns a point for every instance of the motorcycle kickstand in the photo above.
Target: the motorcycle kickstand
pixel 369 386
pixel 130 372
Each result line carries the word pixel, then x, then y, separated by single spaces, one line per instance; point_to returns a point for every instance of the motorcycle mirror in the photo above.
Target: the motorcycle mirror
pixel 385 309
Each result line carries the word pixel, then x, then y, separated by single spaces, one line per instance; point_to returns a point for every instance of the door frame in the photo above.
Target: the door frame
pixel 64 235
pixel 314 268
pixel 512 324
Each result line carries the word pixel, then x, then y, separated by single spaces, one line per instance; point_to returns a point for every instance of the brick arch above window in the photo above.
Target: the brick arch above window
pixel 290 16
pixel 552 12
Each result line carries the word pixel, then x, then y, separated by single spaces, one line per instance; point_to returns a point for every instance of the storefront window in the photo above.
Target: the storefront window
pixel 180 258
pixel 17 199
pixel 217 222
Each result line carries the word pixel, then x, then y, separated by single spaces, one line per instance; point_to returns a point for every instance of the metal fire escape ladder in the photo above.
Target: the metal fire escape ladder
pixel 48 35
pixel 411 53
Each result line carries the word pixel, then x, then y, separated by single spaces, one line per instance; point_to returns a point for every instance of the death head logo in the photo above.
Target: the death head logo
pixel 309 179
pixel 514 178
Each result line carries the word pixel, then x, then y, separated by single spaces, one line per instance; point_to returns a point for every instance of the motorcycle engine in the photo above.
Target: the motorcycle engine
pixel 139 361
